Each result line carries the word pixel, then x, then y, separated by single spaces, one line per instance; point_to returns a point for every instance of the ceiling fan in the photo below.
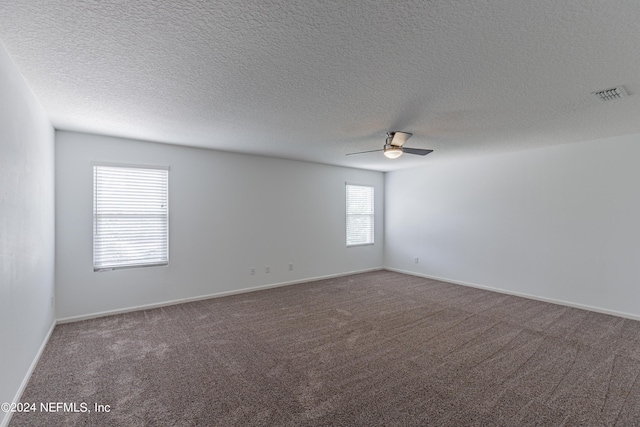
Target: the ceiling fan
pixel 394 146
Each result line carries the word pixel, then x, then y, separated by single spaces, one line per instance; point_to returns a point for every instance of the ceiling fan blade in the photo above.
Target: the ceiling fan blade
pixel 418 151
pixel 363 152
pixel 399 138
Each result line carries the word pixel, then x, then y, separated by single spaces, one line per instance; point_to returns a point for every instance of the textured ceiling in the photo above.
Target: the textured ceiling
pixel 314 80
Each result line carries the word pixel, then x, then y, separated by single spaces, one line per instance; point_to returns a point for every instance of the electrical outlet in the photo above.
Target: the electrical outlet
pixel 291 267
pixel 267 269
pixel 416 260
pixel 252 271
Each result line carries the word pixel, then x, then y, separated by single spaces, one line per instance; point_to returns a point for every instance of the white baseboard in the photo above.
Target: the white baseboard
pixel 209 296
pixel 521 294
pixel 7 416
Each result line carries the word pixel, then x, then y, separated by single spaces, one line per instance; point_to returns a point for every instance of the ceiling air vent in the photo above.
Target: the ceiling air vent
pixel 611 94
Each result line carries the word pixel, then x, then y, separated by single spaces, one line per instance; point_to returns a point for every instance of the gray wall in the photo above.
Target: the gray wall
pixel 228 212
pixel 558 223
pixel 26 230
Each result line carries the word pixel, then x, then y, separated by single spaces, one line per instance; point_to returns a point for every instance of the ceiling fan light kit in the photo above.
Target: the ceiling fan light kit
pixel 392 152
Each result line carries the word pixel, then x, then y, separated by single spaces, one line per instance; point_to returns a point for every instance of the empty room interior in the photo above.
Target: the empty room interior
pixel 306 213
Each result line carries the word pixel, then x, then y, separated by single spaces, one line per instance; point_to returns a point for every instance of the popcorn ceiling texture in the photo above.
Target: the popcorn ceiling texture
pixel 316 80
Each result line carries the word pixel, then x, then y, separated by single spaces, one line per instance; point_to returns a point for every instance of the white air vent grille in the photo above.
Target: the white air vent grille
pixel 611 94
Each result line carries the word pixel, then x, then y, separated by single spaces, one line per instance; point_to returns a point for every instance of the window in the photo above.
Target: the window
pixel 359 215
pixel 130 217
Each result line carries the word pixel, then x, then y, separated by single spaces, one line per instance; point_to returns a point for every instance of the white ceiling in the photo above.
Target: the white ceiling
pixel 314 80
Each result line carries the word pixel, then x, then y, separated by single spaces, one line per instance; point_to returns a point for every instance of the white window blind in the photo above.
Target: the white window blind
pixel 130 217
pixel 359 215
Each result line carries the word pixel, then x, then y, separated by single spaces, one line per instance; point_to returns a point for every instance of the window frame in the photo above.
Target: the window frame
pixel 163 261
pixel 371 215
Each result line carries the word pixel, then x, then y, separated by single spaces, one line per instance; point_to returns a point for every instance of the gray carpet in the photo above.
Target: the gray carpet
pixel 379 348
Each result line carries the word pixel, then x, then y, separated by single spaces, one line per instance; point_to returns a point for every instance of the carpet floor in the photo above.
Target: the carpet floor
pixel 378 348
